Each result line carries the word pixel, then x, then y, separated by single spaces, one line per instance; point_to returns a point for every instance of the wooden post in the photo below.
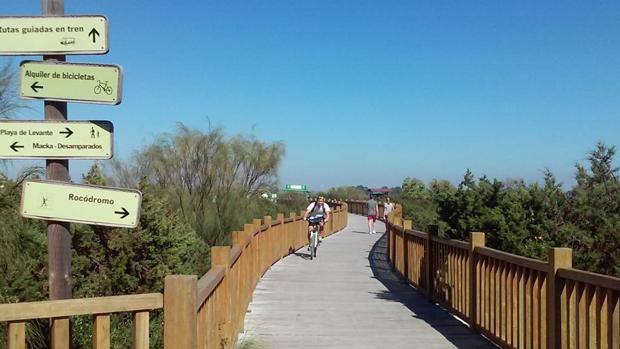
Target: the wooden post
pixel 406 226
pixel 58 236
pixel 281 237
pixel 477 239
pixel 240 277
pixel 260 238
pixel 293 234
pixel 558 258
pixel 180 293
pixel 433 230
pixel 220 256
pixel 269 243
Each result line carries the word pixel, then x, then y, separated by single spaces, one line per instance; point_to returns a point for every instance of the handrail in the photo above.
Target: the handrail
pixel 587 277
pixel 525 262
pixel 451 242
pixel 416 233
pixel 80 306
pixel 208 282
pixel 235 253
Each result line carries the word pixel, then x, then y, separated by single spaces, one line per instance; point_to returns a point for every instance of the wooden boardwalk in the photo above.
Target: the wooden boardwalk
pixel 347 298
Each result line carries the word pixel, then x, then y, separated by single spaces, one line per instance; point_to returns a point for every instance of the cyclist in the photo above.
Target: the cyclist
pixel 317 207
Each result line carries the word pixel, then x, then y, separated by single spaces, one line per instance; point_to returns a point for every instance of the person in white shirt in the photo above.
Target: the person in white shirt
pixel 387 208
pixel 315 208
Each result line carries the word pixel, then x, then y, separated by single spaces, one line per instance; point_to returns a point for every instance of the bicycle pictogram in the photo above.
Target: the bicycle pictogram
pixel 103 87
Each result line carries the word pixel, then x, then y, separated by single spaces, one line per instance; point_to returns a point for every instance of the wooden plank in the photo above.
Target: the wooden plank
pixel 61 338
pixel 509 303
pixel 582 314
pixel 535 310
pixel 492 289
pixel 562 309
pixel 543 311
pixel 528 309
pixel 592 316
pixel 80 306
pixel 101 329
pixel 498 300
pixel 522 305
pixel 572 315
pixel 17 335
pixel 603 323
pixel 141 330
pixel 614 316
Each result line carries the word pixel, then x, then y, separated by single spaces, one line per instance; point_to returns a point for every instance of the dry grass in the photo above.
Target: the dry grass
pixel 247 341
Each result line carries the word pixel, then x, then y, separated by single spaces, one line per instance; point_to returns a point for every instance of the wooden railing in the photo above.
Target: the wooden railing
pixel 516 302
pixel 59 311
pixel 205 312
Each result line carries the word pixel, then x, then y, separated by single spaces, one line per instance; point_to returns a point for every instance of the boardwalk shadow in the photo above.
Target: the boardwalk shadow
pixel 302 255
pixel 398 290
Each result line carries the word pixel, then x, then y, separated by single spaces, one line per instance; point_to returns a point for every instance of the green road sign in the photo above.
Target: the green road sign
pixel 60 201
pixel 59 81
pixel 55 139
pixel 53 35
pixel 296 187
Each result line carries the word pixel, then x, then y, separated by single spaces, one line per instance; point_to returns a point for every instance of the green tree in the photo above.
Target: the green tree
pixel 346 193
pixel 9 102
pixel 595 212
pixel 113 261
pixel 212 181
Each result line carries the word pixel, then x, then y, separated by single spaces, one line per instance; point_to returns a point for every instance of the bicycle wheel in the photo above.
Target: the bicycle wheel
pixel 97 89
pixel 316 243
pixel 312 245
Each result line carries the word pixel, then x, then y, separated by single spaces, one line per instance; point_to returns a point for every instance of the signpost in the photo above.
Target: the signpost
pixel 55 139
pixel 55 82
pixel 61 201
pixel 53 35
pixel 73 82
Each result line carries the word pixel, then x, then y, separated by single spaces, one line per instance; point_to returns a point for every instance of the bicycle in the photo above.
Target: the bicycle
pixel 313 222
pixel 103 87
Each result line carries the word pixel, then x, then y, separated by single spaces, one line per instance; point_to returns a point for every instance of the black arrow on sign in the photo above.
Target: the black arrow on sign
pixel 94 33
pixel 14 146
pixel 68 132
pixel 124 212
pixel 34 87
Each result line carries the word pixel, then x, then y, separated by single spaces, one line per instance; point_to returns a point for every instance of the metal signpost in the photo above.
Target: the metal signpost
pixel 59 81
pixel 61 201
pixel 53 35
pixel 55 139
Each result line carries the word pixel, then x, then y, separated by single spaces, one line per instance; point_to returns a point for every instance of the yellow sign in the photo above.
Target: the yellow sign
pixel 53 35
pixel 55 139
pixel 59 81
pixel 60 201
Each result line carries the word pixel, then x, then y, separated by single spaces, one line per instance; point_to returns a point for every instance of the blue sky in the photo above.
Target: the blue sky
pixel 376 90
